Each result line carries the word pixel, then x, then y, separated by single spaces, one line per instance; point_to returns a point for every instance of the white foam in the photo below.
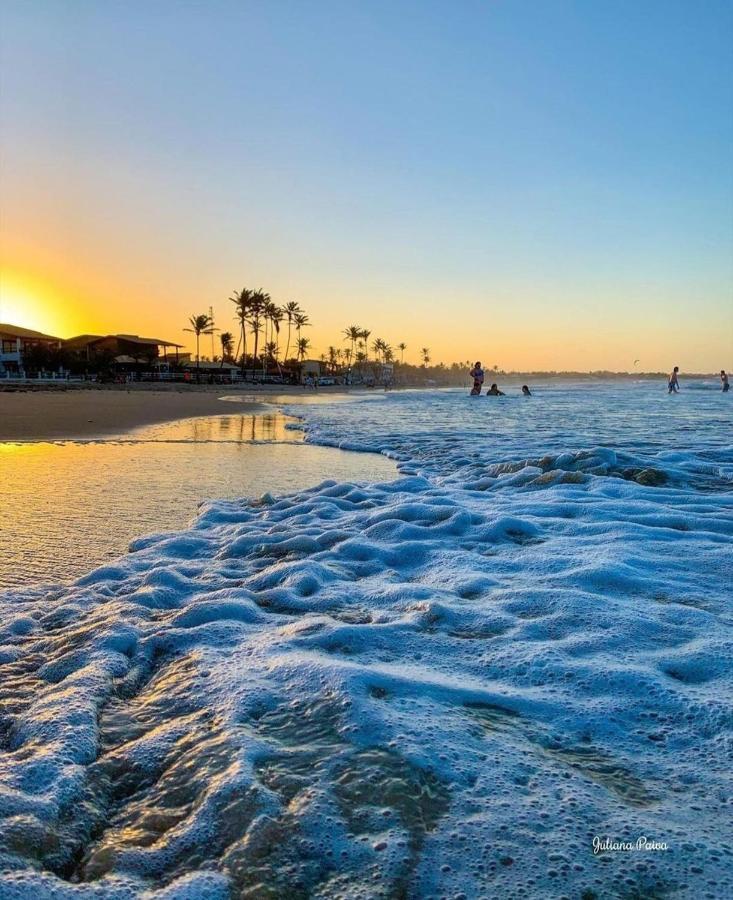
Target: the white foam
pixel 443 685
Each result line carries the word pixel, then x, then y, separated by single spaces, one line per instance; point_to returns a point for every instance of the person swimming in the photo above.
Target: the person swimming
pixel 673 384
pixel 526 391
pixel 724 383
pixel 477 373
pixel 494 391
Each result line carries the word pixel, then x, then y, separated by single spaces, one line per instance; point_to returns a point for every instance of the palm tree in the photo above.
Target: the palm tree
pixel 242 307
pixel 291 309
pixel 271 314
pixel 272 351
pixel 227 345
pixel 301 321
pixel 202 324
pixel 378 346
pixel 332 357
pixel 402 347
pixel 425 351
pixel 388 354
pixel 365 332
pixel 353 334
pixel 257 306
pixel 276 316
pixel 303 346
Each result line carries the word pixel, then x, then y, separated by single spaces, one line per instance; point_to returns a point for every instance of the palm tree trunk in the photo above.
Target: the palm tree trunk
pixel 244 348
pixel 255 328
pixel 264 355
pixel 239 345
pixel 242 340
pixel 287 345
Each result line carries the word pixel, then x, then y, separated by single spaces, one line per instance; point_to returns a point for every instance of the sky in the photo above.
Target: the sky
pixel 539 184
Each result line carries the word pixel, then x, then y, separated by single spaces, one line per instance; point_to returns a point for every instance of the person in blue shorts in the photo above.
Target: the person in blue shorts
pixel 674 385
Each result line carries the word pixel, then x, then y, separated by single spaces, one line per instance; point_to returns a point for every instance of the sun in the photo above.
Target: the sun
pixel 30 304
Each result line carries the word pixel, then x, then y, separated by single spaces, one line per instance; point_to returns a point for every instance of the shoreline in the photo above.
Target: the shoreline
pixel 76 412
pixel 30 413
pixel 76 415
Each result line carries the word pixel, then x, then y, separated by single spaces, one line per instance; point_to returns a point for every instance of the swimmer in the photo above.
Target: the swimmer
pixel 724 383
pixel 494 391
pixel 526 391
pixel 477 373
pixel 673 384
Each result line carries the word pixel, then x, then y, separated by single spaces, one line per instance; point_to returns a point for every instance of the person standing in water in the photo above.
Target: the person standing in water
pixel 724 383
pixel 477 373
pixel 674 385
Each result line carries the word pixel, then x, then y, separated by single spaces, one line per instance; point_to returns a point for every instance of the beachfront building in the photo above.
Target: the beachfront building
pixel 128 353
pixel 211 372
pixel 19 345
pixel 176 358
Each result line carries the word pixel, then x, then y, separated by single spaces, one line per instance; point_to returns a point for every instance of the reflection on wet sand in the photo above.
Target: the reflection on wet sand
pixel 77 504
pixel 272 426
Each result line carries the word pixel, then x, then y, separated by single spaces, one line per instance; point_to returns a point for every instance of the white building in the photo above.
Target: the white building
pixel 15 342
pixel 310 368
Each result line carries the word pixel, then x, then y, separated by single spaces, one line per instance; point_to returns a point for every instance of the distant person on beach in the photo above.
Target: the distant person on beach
pixel 724 383
pixel 674 385
pixel 526 391
pixel 477 373
pixel 494 391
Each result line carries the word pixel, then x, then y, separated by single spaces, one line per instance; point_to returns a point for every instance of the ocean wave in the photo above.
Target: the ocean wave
pixel 443 685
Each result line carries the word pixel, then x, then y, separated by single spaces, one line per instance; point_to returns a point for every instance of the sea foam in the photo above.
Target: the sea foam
pixel 446 685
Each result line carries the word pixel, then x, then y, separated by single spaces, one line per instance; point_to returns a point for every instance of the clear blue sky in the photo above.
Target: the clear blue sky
pixel 528 182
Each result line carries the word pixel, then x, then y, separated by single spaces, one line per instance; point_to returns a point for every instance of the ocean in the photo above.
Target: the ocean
pixel 503 671
pixel 73 505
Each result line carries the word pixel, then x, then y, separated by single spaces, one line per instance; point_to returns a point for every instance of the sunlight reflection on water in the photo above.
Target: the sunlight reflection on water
pixel 70 506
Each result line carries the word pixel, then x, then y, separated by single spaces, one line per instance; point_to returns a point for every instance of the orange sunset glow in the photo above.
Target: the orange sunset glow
pixel 493 226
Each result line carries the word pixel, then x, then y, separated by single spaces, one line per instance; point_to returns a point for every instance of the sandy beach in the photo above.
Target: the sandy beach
pixel 58 415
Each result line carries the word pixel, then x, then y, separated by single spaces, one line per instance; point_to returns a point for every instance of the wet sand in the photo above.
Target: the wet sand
pixel 76 414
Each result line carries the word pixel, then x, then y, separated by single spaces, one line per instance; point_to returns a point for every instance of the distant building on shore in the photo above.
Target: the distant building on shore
pixel 310 368
pixel 27 353
pixel 176 358
pixel 16 343
pixel 122 349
